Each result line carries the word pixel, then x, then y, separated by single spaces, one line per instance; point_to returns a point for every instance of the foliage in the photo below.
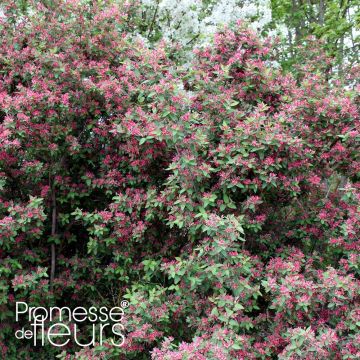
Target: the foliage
pixel 221 199
pixel 335 24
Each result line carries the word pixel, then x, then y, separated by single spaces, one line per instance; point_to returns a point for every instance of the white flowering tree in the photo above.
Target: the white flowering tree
pixel 185 21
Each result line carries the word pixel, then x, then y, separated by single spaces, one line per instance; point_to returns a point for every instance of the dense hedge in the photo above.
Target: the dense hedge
pixel 221 199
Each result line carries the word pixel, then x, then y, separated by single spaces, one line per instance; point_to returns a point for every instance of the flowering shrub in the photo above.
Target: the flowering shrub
pixel 221 201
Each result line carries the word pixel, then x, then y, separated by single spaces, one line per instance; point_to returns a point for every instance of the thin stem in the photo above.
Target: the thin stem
pixel 53 234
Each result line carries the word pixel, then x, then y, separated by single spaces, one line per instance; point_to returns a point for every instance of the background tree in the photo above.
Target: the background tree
pixel 335 23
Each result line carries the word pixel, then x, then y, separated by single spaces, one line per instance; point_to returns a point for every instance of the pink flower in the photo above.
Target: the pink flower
pixel 314 179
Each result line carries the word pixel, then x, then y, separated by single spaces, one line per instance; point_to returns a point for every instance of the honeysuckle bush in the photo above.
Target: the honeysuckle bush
pixel 221 199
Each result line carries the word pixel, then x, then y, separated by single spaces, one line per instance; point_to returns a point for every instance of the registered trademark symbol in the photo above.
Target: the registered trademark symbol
pixel 124 304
